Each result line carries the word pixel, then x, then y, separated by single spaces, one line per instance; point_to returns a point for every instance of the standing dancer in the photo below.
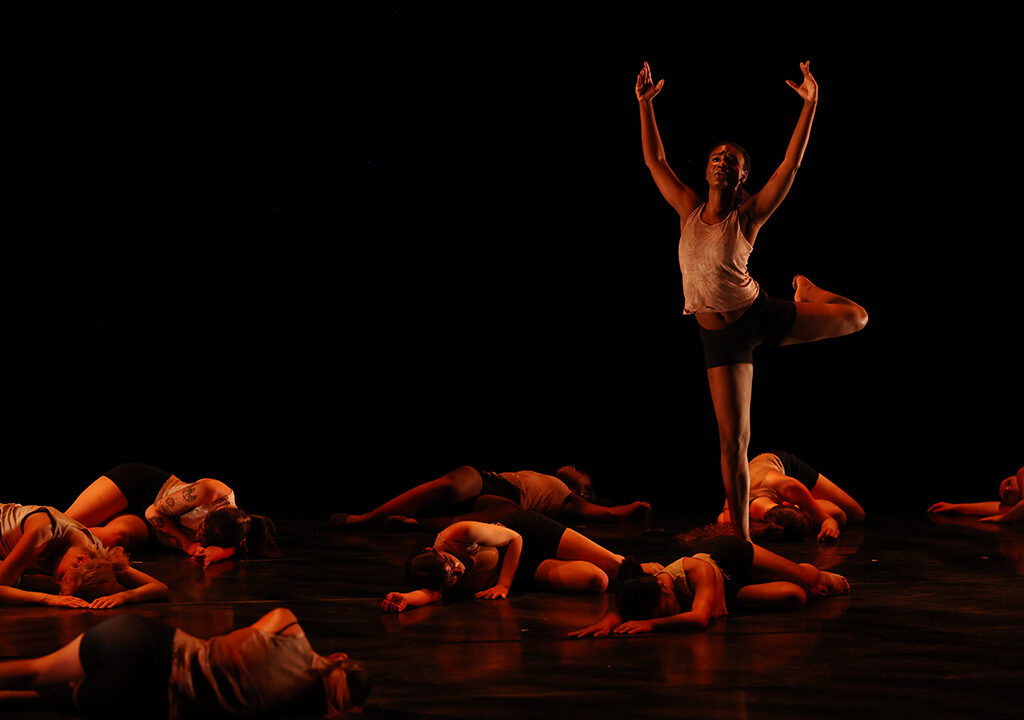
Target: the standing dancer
pixel 733 314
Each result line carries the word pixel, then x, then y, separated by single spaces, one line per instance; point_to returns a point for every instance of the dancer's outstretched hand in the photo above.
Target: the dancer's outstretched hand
pixel 633 627
pixel 394 602
pixel 645 88
pixel 601 628
pixel 808 89
pixel 69 601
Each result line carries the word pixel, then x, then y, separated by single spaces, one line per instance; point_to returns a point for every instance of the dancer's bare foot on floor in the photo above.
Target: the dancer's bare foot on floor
pixel 831 584
pixel 401 522
pixel 344 520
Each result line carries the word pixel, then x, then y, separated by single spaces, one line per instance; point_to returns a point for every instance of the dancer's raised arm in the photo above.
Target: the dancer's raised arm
pixel 679 196
pixel 761 205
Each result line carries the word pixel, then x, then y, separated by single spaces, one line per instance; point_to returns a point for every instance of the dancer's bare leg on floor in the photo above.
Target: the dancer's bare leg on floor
pixel 430 498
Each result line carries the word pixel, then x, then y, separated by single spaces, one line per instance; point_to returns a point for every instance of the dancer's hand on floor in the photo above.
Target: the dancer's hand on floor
pixel 394 602
pixel 498 592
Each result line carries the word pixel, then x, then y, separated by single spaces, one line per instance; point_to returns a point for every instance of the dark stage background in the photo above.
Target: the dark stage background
pixel 323 251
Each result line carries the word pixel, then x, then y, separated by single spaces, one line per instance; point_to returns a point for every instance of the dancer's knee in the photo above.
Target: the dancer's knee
pixel 858 319
pixel 791 597
pixel 734 445
pixel 593 581
pixel 575 577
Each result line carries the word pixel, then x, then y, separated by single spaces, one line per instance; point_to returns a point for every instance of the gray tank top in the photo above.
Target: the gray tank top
pixel 713 261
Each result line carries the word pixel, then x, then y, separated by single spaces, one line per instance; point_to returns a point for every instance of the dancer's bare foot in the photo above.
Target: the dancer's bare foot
pixel 831 584
pixel 395 523
pixel 345 520
pixel 806 291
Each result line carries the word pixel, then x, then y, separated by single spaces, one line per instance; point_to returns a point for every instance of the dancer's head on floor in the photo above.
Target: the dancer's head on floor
pixel 434 570
pixel 789 521
pixel 90 573
pixel 1010 489
pixel 650 596
pixel 230 527
pixel 345 687
pixel 578 481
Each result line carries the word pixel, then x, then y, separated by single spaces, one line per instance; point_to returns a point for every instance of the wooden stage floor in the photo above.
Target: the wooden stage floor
pixel 933 628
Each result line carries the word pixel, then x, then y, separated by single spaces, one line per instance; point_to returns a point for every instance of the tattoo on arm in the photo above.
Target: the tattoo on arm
pixel 167 504
pixel 165 537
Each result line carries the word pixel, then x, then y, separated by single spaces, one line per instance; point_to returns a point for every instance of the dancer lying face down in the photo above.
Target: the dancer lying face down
pixel 468 493
pixel 723 573
pixel 488 560
pixel 40 540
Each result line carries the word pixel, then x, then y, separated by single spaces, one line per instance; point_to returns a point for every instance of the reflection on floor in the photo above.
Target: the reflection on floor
pixel 933 628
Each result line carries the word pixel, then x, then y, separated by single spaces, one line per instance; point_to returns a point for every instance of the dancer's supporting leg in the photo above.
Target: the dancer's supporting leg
pixel 430 498
pixel 730 392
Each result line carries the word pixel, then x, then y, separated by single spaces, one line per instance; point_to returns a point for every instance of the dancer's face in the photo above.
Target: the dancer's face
pixel 453 569
pixel 1009 490
pixel 726 168
pixel 578 480
pixel 668 603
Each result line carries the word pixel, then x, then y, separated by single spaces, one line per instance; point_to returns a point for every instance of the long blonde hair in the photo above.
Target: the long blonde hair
pixel 346 687
pixel 96 577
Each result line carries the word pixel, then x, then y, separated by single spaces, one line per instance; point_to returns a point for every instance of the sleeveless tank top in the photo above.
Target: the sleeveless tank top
pixel 62 529
pixel 713 261
pixel 191 520
pixel 246 672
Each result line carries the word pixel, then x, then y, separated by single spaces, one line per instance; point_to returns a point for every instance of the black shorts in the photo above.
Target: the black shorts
pixel 733 556
pixel 797 468
pixel 495 484
pixel 541 537
pixel 767 321
pixel 139 483
pixel 127 663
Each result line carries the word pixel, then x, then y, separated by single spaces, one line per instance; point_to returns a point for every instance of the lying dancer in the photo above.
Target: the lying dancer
pixel 725 573
pixel 566 497
pixel 130 666
pixel 734 315
pixel 200 517
pixel 786 491
pixel 1007 509
pixel 487 560
pixel 35 539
